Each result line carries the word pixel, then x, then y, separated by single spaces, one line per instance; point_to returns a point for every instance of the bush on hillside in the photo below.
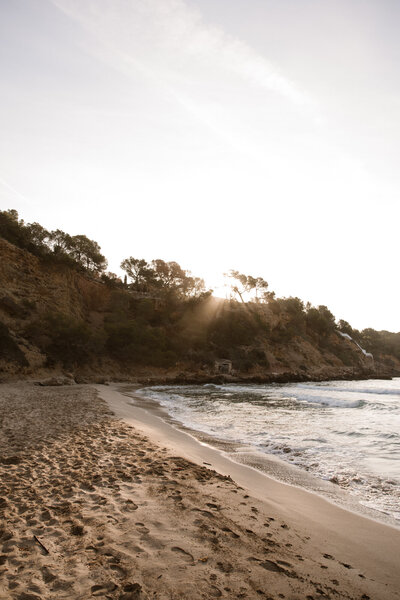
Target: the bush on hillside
pixel 64 340
pixel 320 321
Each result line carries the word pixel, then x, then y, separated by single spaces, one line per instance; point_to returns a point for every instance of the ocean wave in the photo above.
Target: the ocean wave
pixel 307 425
pixel 345 388
pixel 330 401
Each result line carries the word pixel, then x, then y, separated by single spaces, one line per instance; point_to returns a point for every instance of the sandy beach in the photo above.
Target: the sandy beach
pixel 99 498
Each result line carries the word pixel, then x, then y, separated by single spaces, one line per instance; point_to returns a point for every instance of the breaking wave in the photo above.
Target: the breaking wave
pixel 346 432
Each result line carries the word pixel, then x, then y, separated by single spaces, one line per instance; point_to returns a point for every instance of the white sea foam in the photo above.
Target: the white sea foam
pixel 345 431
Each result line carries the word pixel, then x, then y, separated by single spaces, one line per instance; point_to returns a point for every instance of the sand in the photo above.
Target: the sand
pixel 92 506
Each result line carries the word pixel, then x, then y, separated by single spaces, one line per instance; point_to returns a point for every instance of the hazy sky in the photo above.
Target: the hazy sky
pixel 259 135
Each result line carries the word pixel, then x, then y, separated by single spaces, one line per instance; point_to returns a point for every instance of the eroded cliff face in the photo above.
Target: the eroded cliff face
pixel 35 286
pixel 31 288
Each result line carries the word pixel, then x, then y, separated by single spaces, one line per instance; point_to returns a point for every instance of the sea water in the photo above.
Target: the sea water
pixel 347 432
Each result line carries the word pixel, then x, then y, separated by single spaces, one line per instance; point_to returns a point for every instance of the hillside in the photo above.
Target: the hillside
pixel 59 317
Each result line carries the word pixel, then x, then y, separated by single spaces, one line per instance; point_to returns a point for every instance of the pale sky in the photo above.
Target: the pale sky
pixel 257 135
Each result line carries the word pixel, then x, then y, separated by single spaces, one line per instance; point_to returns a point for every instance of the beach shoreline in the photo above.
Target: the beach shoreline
pixel 303 508
pixel 122 506
pixel 266 378
pixel 272 465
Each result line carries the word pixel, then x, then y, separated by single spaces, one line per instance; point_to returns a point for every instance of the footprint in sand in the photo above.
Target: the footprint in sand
pixel 119 571
pixel 232 533
pixel 112 519
pixel 143 530
pixel 271 543
pixel 206 513
pixel 225 567
pixel 213 506
pixel 214 592
pixel 92 551
pixel 47 575
pixel 270 565
pixel 284 563
pixel 254 559
pixel 176 497
pixel 102 589
pixel 77 530
pixel 185 555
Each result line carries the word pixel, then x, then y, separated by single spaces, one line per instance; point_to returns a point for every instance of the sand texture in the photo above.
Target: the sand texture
pixel 91 507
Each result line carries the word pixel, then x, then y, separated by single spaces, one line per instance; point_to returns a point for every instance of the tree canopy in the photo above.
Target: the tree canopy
pixel 247 284
pixel 186 324
pixel 56 244
pixel 163 277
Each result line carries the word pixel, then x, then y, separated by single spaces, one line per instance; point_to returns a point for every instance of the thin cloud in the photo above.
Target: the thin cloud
pixel 170 41
pixel 14 191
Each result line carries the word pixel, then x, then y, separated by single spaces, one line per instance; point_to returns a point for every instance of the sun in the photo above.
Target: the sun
pixel 219 284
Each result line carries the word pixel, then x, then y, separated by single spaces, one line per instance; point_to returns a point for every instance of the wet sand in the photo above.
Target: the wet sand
pixel 122 506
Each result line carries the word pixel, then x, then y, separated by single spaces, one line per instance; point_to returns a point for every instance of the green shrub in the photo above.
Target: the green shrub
pixel 320 321
pixel 232 328
pixel 63 339
pixel 138 343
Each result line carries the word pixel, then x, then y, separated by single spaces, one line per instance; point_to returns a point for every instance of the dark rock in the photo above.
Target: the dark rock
pixel 12 308
pixel 81 380
pixel 56 381
pixel 101 380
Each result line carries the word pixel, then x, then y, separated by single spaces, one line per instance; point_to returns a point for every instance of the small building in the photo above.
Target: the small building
pixel 156 301
pixel 223 366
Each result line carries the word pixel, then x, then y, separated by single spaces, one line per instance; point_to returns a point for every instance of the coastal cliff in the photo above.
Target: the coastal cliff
pixel 55 319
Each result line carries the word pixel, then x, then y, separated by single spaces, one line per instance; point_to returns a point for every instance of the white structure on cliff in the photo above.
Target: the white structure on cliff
pixel 348 337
